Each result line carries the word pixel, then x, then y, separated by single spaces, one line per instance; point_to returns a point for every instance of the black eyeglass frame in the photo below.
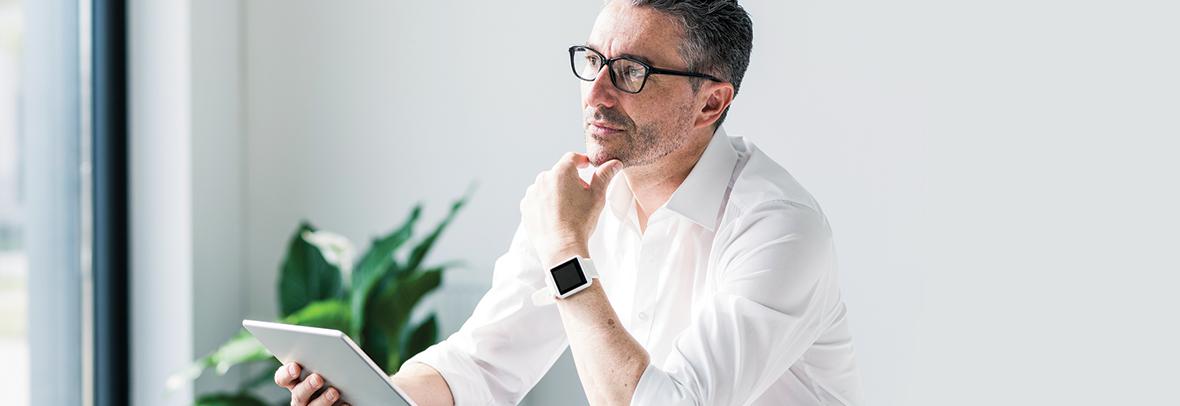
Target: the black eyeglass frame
pixel 648 69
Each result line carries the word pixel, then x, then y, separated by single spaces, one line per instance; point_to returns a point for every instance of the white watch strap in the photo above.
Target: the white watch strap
pixel 546 295
pixel 588 268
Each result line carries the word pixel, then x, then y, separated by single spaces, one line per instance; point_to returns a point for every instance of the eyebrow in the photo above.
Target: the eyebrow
pixel 639 58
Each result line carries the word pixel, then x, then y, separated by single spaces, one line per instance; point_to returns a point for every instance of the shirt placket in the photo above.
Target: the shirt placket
pixel 648 262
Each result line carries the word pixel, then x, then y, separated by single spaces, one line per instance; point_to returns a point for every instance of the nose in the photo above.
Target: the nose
pixel 600 92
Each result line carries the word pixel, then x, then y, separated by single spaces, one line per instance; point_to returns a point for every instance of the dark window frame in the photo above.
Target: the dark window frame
pixel 111 254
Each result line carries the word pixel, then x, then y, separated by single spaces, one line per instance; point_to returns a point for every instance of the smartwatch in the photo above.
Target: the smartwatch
pixel 566 279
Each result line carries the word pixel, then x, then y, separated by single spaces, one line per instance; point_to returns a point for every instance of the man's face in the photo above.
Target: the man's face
pixel 637 129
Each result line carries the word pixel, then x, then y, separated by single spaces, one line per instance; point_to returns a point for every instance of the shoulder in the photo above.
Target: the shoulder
pixel 773 245
pixel 763 191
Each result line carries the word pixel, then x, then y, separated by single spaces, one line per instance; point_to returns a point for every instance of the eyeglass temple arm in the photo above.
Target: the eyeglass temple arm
pixel 653 71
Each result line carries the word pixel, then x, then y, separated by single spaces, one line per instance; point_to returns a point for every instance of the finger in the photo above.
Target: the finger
pixel 581 160
pixel 327 398
pixel 603 176
pixel 302 392
pixel 287 375
pixel 571 160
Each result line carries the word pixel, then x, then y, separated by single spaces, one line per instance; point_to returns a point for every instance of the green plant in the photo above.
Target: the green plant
pixel 374 308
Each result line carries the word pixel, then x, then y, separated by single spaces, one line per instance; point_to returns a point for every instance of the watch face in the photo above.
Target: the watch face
pixel 568 276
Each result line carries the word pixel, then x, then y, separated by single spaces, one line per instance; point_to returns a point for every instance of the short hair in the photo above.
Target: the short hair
pixel 718 38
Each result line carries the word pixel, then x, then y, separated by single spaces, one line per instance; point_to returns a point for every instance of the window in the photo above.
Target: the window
pixel 45 334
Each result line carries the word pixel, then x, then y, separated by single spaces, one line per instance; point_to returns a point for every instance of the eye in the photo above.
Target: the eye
pixel 592 60
pixel 633 72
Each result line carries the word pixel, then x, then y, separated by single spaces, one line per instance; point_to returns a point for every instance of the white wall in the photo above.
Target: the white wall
pixel 998 174
pixel 187 192
pixel 161 203
pixel 218 182
pixel 1001 179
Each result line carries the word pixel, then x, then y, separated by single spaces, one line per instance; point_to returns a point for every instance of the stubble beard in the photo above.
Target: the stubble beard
pixel 635 145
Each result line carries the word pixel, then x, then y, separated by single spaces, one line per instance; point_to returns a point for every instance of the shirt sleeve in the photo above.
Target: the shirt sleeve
pixel 775 287
pixel 508 343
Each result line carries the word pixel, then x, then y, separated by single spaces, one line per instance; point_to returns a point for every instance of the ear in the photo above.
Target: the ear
pixel 714 99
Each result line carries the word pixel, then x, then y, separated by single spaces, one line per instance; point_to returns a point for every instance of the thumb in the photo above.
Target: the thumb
pixel 603 175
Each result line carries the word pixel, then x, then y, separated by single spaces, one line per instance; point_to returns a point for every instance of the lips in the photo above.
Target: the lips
pixel 602 130
pixel 604 125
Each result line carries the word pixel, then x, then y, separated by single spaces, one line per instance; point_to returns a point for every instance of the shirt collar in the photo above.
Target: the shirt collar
pixel 699 197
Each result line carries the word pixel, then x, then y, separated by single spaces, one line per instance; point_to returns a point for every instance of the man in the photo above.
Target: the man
pixel 718 283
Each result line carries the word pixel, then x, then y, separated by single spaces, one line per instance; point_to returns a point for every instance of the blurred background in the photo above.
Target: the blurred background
pixel 1001 177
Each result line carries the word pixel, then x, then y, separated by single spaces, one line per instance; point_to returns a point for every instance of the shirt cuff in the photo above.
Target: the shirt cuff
pixel 657 387
pixel 460 373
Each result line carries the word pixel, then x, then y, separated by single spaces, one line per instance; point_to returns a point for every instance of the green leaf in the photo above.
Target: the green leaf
pixel 229 399
pixel 374 265
pixel 333 314
pixel 392 307
pixel 244 348
pixel 305 275
pixel 379 303
pixel 424 246
pixel 240 349
pixel 189 373
pixel 384 247
pixel 265 376
pixel 376 345
pixel 420 338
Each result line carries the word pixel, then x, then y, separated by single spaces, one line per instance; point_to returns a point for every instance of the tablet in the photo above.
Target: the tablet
pixel 334 356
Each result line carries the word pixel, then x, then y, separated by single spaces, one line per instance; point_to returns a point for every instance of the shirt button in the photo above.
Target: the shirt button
pixel 642 316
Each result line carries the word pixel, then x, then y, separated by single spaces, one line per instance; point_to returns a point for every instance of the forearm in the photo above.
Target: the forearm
pixel 609 361
pixel 560 212
pixel 423 384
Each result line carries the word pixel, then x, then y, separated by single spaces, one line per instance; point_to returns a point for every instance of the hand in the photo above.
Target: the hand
pixel 303 393
pixel 560 211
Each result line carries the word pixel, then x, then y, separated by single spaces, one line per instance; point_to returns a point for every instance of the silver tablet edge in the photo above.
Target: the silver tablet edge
pixel 247 323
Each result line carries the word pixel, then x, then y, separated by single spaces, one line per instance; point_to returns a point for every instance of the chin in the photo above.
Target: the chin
pixel 597 158
pixel 598 153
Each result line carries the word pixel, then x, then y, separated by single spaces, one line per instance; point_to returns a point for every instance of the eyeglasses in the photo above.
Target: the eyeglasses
pixel 626 73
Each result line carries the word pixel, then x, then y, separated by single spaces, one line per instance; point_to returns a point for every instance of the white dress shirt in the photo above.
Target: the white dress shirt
pixel 732 290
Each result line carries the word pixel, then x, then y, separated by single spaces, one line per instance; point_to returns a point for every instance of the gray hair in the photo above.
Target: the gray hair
pixel 718 37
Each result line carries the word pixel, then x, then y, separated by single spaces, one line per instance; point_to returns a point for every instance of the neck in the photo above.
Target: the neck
pixel 653 184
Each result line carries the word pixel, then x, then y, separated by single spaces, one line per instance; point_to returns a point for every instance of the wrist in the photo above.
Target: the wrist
pixel 423 384
pixel 567 251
